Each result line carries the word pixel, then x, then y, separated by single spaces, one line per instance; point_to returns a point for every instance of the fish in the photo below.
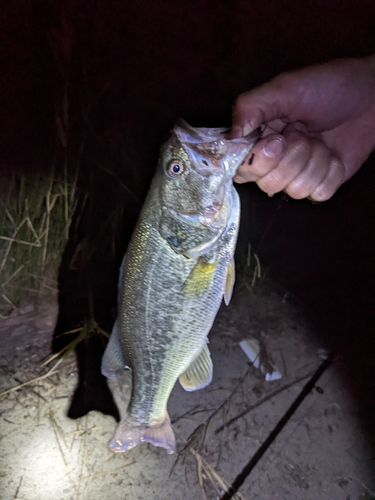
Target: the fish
pixel 178 267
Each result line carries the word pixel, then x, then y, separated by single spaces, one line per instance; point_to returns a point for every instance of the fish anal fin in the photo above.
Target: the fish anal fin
pixel 199 373
pixel 229 284
pixel 113 360
pixel 130 433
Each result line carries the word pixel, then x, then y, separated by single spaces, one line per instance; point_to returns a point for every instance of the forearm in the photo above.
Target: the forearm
pixel 365 138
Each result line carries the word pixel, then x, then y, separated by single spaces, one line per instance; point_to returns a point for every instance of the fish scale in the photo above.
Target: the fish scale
pixel 178 267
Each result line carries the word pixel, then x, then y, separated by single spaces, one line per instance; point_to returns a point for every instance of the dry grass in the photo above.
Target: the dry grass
pixel 34 221
pixel 253 266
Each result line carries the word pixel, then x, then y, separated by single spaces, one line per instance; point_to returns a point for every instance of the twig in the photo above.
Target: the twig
pixel 222 405
pixel 58 428
pixel 83 460
pixel 49 205
pixel 364 486
pixel 261 401
pixel 46 375
pixel 11 240
pixel 9 301
pixel 12 275
pixel 200 475
pixel 38 395
pixel 190 413
pixel 111 471
pixel 257 270
pixel 39 277
pixel 18 488
pixel 203 466
pixel 212 474
pixel 55 430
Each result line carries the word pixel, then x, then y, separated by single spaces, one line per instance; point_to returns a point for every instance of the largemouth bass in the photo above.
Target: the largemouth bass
pixel 178 267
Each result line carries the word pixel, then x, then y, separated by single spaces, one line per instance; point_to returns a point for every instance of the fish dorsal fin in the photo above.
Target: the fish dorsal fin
pixel 199 373
pixel 113 360
pixel 231 276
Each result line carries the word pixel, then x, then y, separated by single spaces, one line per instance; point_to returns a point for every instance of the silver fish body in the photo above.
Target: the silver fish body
pixel 178 267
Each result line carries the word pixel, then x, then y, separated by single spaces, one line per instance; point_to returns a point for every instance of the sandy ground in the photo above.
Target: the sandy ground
pixel 320 454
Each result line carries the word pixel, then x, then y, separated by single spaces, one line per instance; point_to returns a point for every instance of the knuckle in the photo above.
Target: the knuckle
pixel 338 167
pixel 241 101
pixel 238 102
pixel 239 179
pixel 331 182
pixel 242 175
pixel 261 169
pixel 322 193
pixel 273 182
pixel 283 80
pixel 300 144
pixel 298 189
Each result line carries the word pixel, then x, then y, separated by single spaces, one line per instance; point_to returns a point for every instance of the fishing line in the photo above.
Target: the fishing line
pixel 242 476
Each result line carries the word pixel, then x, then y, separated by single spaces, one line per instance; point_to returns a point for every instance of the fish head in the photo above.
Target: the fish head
pixel 197 166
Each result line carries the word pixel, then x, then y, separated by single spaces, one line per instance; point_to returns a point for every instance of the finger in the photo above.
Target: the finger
pixel 331 182
pixel 266 103
pixel 263 158
pixel 314 173
pixel 251 110
pixel 293 162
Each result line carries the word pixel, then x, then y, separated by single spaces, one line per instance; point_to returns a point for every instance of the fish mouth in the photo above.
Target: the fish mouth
pixel 205 218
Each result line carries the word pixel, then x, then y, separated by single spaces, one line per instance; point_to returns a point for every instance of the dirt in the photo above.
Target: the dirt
pixel 321 453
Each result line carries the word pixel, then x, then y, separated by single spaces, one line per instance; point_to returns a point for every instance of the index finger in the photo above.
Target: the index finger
pixel 261 105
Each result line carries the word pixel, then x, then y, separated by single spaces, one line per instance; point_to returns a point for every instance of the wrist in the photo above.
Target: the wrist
pixel 369 118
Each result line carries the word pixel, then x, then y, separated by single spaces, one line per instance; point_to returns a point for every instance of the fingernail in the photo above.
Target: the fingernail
pixel 235 132
pixel 274 147
pixel 314 202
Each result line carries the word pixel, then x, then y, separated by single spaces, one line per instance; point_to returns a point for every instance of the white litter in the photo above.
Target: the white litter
pixel 252 349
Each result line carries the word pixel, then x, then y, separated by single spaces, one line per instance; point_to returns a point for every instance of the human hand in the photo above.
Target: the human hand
pixel 319 128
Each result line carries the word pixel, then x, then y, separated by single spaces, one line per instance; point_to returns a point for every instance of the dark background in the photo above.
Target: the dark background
pixel 118 74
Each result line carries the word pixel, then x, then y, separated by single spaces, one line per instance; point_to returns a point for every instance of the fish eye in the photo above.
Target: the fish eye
pixel 175 168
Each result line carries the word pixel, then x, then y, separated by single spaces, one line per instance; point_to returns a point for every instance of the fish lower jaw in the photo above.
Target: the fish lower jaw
pixel 130 433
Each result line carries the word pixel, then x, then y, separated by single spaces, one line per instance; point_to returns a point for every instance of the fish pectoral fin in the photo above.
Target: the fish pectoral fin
pixel 113 360
pixel 231 277
pixel 130 433
pixel 199 373
pixel 200 277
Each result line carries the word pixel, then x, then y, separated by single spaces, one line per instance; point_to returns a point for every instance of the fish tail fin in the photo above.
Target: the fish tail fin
pixel 130 433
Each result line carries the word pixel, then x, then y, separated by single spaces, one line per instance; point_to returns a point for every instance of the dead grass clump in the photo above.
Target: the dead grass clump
pixel 34 220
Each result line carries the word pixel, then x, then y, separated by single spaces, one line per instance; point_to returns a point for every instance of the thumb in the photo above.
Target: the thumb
pixel 263 158
pixel 266 103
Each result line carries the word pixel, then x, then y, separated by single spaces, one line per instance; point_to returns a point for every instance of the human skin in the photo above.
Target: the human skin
pixel 319 128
